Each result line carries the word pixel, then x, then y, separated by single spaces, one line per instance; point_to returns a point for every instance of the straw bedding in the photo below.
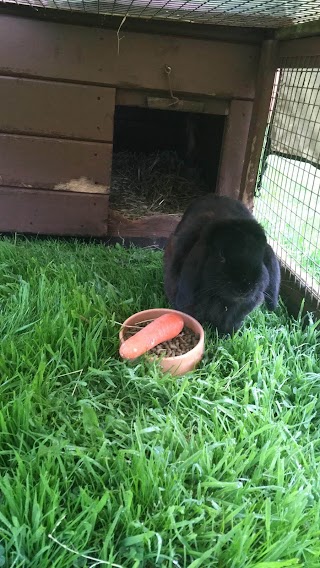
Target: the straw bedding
pixel 152 184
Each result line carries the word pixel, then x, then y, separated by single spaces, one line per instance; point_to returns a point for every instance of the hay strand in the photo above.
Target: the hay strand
pixel 151 184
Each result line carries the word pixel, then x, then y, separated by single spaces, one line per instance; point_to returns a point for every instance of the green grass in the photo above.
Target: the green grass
pixel 289 208
pixel 111 460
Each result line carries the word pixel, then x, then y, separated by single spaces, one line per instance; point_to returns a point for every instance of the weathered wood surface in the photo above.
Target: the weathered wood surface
pixel 307 29
pixel 52 213
pixel 90 55
pixel 134 24
pixel 204 105
pixel 234 148
pixel 304 47
pixel 293 292
pixel 259 120
pixel 28 161
pixel 151 226
pixel 54 109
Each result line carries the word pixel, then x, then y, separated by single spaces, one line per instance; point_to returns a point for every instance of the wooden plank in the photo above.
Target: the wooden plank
pixel 56 109
pixel 51 213
pixel 154 226
pixel 140 99
pixel 56 51
pixel 305 47
pixel 147 25
pixel 305 280
pixel 307 29
pixel 267 69
pixel 27 161
pixel 293 292
pixel 234 148
pixel 163 103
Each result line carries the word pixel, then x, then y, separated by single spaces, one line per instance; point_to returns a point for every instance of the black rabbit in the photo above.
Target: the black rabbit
pixel 218 266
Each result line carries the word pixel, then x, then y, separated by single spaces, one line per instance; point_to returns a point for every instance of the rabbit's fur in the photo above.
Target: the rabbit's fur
pixel 218 266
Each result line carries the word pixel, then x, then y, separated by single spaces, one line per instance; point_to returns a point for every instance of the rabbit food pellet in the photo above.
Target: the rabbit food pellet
pixel 182 343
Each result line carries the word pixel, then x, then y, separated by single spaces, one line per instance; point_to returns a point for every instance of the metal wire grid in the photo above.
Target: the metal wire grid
pixel 287 199
pixel 252 13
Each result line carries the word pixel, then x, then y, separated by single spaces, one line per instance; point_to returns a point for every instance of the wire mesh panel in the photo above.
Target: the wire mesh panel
pixel 250 13
pixel 288 189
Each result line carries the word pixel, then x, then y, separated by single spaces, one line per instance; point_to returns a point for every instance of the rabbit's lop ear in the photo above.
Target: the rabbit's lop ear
pixel 272 291
pixel 190 278
pixel 177 250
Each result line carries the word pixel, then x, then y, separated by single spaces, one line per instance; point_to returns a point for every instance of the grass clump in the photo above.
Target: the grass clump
pixel 126 467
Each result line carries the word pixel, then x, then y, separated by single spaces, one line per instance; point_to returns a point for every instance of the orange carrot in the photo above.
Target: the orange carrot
pixel 161 329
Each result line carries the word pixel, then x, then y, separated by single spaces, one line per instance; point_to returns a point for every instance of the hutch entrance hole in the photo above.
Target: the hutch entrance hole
pixel 163 159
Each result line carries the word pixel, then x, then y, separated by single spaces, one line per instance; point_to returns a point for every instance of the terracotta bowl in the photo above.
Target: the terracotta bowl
pixel 175 365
